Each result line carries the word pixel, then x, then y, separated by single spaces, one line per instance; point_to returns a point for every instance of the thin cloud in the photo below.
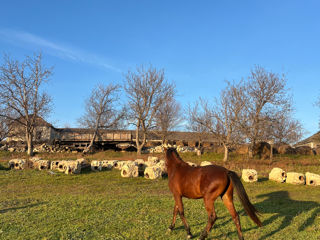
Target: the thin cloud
pixel 67 53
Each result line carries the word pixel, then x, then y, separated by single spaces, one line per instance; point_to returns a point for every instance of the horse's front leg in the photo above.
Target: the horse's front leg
pixel 179 204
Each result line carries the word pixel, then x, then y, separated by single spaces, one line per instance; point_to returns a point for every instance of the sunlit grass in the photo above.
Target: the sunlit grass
pixel 102 205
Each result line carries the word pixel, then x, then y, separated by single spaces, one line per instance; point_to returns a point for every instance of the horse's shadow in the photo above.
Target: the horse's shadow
pixel 283 207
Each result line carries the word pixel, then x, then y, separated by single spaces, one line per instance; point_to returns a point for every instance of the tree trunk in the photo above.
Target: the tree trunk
pixel 139 150
pixel 88 148
pixel 163 140
pixel 250 150
pixel 29 144
pixel 138 143
pixel 199 143
pixel 226 153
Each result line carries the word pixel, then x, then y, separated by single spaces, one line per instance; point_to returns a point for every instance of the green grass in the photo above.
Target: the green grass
pixel 102 205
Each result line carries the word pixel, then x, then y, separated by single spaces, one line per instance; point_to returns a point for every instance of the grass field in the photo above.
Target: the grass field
pixel 102 205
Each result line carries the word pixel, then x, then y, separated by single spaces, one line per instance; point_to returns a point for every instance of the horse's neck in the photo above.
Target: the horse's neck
pixel 174 163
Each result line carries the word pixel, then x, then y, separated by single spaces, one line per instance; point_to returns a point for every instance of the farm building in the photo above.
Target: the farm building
pixel 43 132
pixel 312 141
pixel 80 137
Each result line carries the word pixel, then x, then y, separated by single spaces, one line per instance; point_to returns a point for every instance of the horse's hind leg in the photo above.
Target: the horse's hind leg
pixel 209 205
pixel 228 202
pixel 179 204
pixel 175 211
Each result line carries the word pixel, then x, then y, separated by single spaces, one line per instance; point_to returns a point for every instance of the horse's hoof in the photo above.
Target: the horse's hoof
pixel 203 235
pixel 189 236
pixel 169 230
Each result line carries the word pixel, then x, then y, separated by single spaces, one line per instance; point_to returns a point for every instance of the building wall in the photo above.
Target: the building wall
pixel 41 134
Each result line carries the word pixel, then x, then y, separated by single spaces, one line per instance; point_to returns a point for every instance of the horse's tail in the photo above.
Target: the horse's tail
pixel 241 192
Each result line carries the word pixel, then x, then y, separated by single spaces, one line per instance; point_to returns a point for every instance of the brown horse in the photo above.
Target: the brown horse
pixel 208 182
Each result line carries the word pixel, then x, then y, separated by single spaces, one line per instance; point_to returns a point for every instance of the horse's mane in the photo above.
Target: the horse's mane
pixel 172 153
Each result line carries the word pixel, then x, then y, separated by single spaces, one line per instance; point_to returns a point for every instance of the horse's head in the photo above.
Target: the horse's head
pixel 170 151
pixel 171 156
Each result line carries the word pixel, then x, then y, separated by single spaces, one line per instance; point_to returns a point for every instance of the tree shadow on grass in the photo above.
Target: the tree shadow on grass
pixel 282 206
pixel 2 167
pixel 87 170
pixel 22 207
pixel 263 179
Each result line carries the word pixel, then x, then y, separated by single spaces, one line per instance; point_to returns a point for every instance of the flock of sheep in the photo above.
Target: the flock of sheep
pixel 153 168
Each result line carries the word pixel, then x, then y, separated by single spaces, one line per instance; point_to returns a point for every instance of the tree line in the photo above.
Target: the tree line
pixel 256 108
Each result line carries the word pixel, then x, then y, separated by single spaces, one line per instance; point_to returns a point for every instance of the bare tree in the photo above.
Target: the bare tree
pixel 168 117
pixel 5 128
pixel 21 97
pixel 220 118
pixel 264 97
pixel 196 123
pixel 284 129
pixel 102 111
pixel 147 89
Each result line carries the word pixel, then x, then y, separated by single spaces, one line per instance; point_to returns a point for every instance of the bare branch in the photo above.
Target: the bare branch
pixel 147 90
pixel 265 98
pixel 102 110
pixel 168 117
pixel 21 97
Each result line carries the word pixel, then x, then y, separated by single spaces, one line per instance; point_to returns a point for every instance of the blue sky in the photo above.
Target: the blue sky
pixel 199 44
